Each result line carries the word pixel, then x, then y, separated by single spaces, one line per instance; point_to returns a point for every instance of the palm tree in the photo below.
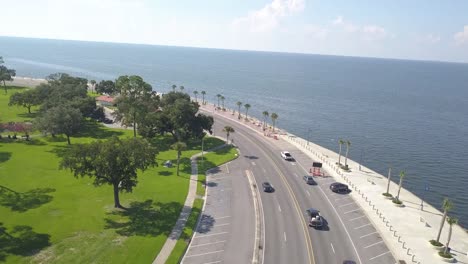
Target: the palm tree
pixel 195 93
pixel 451 221
pixel 219 97
pixel 265 115
pixel 93 85
pixel 348 144
pixel 402 176
pixel 239 103
pixel 388 179
pixel 247 106
pixel 222 100
pixel 274 116
pixel 178 146
pixel 447 205
pixel 228 131
pixel 340 142
pixel 181 88
pixel 173 87
pixel 203 96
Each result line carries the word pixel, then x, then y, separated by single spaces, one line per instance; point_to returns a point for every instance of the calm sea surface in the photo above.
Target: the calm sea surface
pixel 411 114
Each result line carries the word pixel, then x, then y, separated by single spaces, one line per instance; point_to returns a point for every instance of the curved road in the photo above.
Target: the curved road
pixel 348 235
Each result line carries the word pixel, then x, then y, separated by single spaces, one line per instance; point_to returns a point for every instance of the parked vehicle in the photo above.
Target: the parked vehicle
pixel 316 219
pixel 286 155
pixel 267 187
pixel 309 179
pixel 339 187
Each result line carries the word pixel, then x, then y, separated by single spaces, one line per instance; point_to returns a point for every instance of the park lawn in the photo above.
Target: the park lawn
pixel 72 221
pixel 14 113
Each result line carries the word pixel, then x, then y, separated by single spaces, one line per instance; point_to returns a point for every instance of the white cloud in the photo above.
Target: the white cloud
pixel 268 18
pixel 432 39
pixel 367 32
pixel 461 37
pixel 315 31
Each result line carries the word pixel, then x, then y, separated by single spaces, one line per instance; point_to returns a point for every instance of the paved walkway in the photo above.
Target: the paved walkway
pixel 406 230
pixel 171 241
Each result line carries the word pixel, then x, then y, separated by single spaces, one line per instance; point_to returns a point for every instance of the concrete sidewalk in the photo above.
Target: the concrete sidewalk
pixel 171 240
pixel 406 230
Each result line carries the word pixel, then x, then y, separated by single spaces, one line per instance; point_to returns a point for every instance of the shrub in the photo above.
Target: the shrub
pixel 435 243
pixel 386 194
pixel 445 255
pixel 396 201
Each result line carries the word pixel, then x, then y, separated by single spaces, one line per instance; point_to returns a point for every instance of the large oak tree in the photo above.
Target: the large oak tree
pixel 114 162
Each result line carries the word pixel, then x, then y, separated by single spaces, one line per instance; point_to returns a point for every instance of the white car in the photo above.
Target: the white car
pixel 286 155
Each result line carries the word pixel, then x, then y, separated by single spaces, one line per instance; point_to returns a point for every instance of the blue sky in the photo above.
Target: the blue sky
pixel 424 30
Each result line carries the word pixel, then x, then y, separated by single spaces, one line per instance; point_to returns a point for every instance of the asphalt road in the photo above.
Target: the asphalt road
pixel 348 234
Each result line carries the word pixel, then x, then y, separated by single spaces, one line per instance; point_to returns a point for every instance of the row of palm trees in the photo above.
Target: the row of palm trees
pixel 182 88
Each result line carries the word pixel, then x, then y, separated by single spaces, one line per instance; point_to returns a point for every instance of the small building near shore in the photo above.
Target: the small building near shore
pixel 105 100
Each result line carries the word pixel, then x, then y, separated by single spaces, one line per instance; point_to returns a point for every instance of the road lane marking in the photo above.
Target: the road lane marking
pixel 356 218
pixel 339 217
pixel 308 193
pixel 293 163
pixel 295 174
pixel 222 217
pixel 215 234
pixel 279 208
pixel 206 244
pixel 342 198
pixel 352 211
pixel 264 171
pixel 227 168
pixel 368 234
pixel 284 233
pixel 222 225
pixel 359 227
pixel 371 245
pixel 343 205
pixel 331 244
pixel 379 255
pixel 202 254
pixel 305 230
pixel 214 262
pixel 259 223
pixel 253 163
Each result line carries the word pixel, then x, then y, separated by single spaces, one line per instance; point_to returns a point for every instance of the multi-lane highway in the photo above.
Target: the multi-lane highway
pixel 348 234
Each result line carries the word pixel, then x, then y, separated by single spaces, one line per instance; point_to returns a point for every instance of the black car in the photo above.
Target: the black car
pixel 309 179
pixel 339 187
pixel 267 187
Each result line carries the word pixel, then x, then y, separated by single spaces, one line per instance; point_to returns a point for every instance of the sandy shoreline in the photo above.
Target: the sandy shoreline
pixel 26 81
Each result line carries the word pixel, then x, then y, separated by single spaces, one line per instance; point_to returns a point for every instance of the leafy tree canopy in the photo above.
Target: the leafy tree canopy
pixel 6 74
pixel 106 87
pixel 26 99
pixel 114 162
pixel 60 120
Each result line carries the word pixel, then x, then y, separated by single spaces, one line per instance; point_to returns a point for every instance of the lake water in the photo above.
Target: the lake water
pixel 410 114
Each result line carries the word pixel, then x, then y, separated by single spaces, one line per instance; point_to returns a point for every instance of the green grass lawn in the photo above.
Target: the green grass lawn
pixel 48 216
pixel 13 113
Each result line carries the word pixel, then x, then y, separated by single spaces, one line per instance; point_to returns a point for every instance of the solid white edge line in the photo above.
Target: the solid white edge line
pixel 331 244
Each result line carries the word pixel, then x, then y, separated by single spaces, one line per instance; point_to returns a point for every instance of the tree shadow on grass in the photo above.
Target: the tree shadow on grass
pixel 60 151
pixel 59 138
pixel 144 219
pixel 5 156
pixel 96 130
pixel 22 202
pixel 28 115
pixel 165 173
pixel 162 143
pixel 21 241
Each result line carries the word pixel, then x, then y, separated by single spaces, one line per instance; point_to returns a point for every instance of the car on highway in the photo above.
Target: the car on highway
pixel 267 187
pixel 339 187
pixel 316 220
pixel 286 155
pixel 309 180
